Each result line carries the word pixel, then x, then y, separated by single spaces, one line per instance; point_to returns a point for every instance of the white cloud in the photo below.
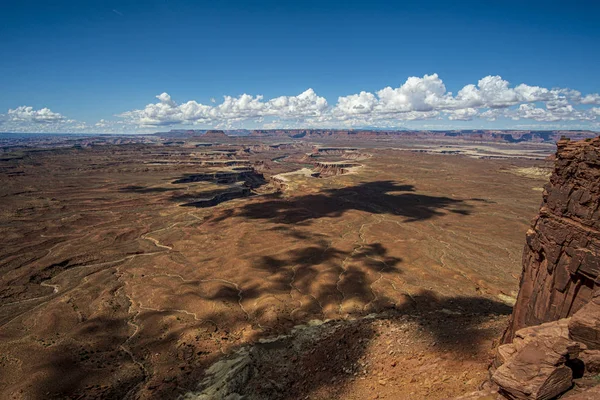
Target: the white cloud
pixel 27 119
pixel 463 114
pixel 165 99
pixel 356 104
pixel 306 104
pixel 491 91
pixel 241 108
pixel 495 92
pixel 418 98
pixel 530 111
pixel 493 114
pixel 28 114
pixel 555 111
pixel 416 94
pixel 490 99
pixel 101 124
pixel 591 99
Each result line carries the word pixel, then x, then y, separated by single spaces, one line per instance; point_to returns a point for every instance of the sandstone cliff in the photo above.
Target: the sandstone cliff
pixel 334 168
pixel 561 260
pixel 214 134
pixel 552 344
pixel 477 135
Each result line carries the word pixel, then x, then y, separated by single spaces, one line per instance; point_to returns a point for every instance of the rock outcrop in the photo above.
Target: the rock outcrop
pixel 553 338
pixel 226 163
pixel 509 136
pixel 334 168
pixel 214 134
pixel 345 153
pixel 537 365
pixel 544 361
pixel 585 324
pixel 561 260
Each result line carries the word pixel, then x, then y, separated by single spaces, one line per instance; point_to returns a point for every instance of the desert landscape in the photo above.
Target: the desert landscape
pixel 299 200
pixel 128 270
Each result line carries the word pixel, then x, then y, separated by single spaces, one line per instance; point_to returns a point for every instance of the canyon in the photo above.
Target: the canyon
pixel 177 268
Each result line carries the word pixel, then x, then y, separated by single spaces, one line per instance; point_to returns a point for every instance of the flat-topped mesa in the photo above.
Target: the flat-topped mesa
pixel 214 134
pixel 336 151
pixel 345 153
pixel 226 163
pixel 216 154
pixel 561 259
pixel 334 168
pixel 508 136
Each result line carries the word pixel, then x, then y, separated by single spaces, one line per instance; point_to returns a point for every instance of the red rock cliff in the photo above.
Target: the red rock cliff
pixel 561 260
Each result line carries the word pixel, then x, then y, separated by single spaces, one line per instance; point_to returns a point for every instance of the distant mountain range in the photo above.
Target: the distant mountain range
pixel 507 136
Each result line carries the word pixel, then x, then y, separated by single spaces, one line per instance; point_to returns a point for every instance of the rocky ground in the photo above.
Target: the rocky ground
pixel 116 283
pixel 429 353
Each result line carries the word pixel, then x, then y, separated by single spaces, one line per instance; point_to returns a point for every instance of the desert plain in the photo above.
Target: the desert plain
pixel 354 270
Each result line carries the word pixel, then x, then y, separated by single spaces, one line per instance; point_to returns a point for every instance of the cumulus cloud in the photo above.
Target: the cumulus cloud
pixel 492 114
pixel 553 112
pixel 102 124
pixel 27 119
pixel 356 104
pixel 28 114
pixel 418 98
pixel 591 99
pixel 306 104
pixel 491 98
pixel 242 108
pixel 416 94
pixel 463 114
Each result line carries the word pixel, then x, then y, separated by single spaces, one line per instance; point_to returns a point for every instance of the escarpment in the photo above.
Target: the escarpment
pixel 552 344
pixel 334 168
pixel 344 153
pixel 215 134
pixel 561 259
pixel 212 199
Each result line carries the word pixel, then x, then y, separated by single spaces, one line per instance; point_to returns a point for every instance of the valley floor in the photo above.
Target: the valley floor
pixel 116 283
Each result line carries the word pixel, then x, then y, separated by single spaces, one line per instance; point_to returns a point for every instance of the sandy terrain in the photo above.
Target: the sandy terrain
pixel 119 280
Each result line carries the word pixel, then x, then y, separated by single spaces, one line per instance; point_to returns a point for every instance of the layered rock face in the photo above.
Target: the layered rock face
pixel 214 134
pixel 561 260
pixel 483 135
pixel 547 360
pixel 334 168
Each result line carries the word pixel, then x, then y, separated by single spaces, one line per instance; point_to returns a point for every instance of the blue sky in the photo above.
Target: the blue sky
pixel 100 65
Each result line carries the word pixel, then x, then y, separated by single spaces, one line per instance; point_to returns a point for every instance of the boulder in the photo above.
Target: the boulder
pixel 538 370
pixel 506 352
pixel 584 327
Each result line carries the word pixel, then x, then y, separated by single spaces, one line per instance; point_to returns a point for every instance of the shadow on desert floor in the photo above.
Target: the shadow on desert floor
pixel 326 277
pixel 453 323
pixel 380 197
